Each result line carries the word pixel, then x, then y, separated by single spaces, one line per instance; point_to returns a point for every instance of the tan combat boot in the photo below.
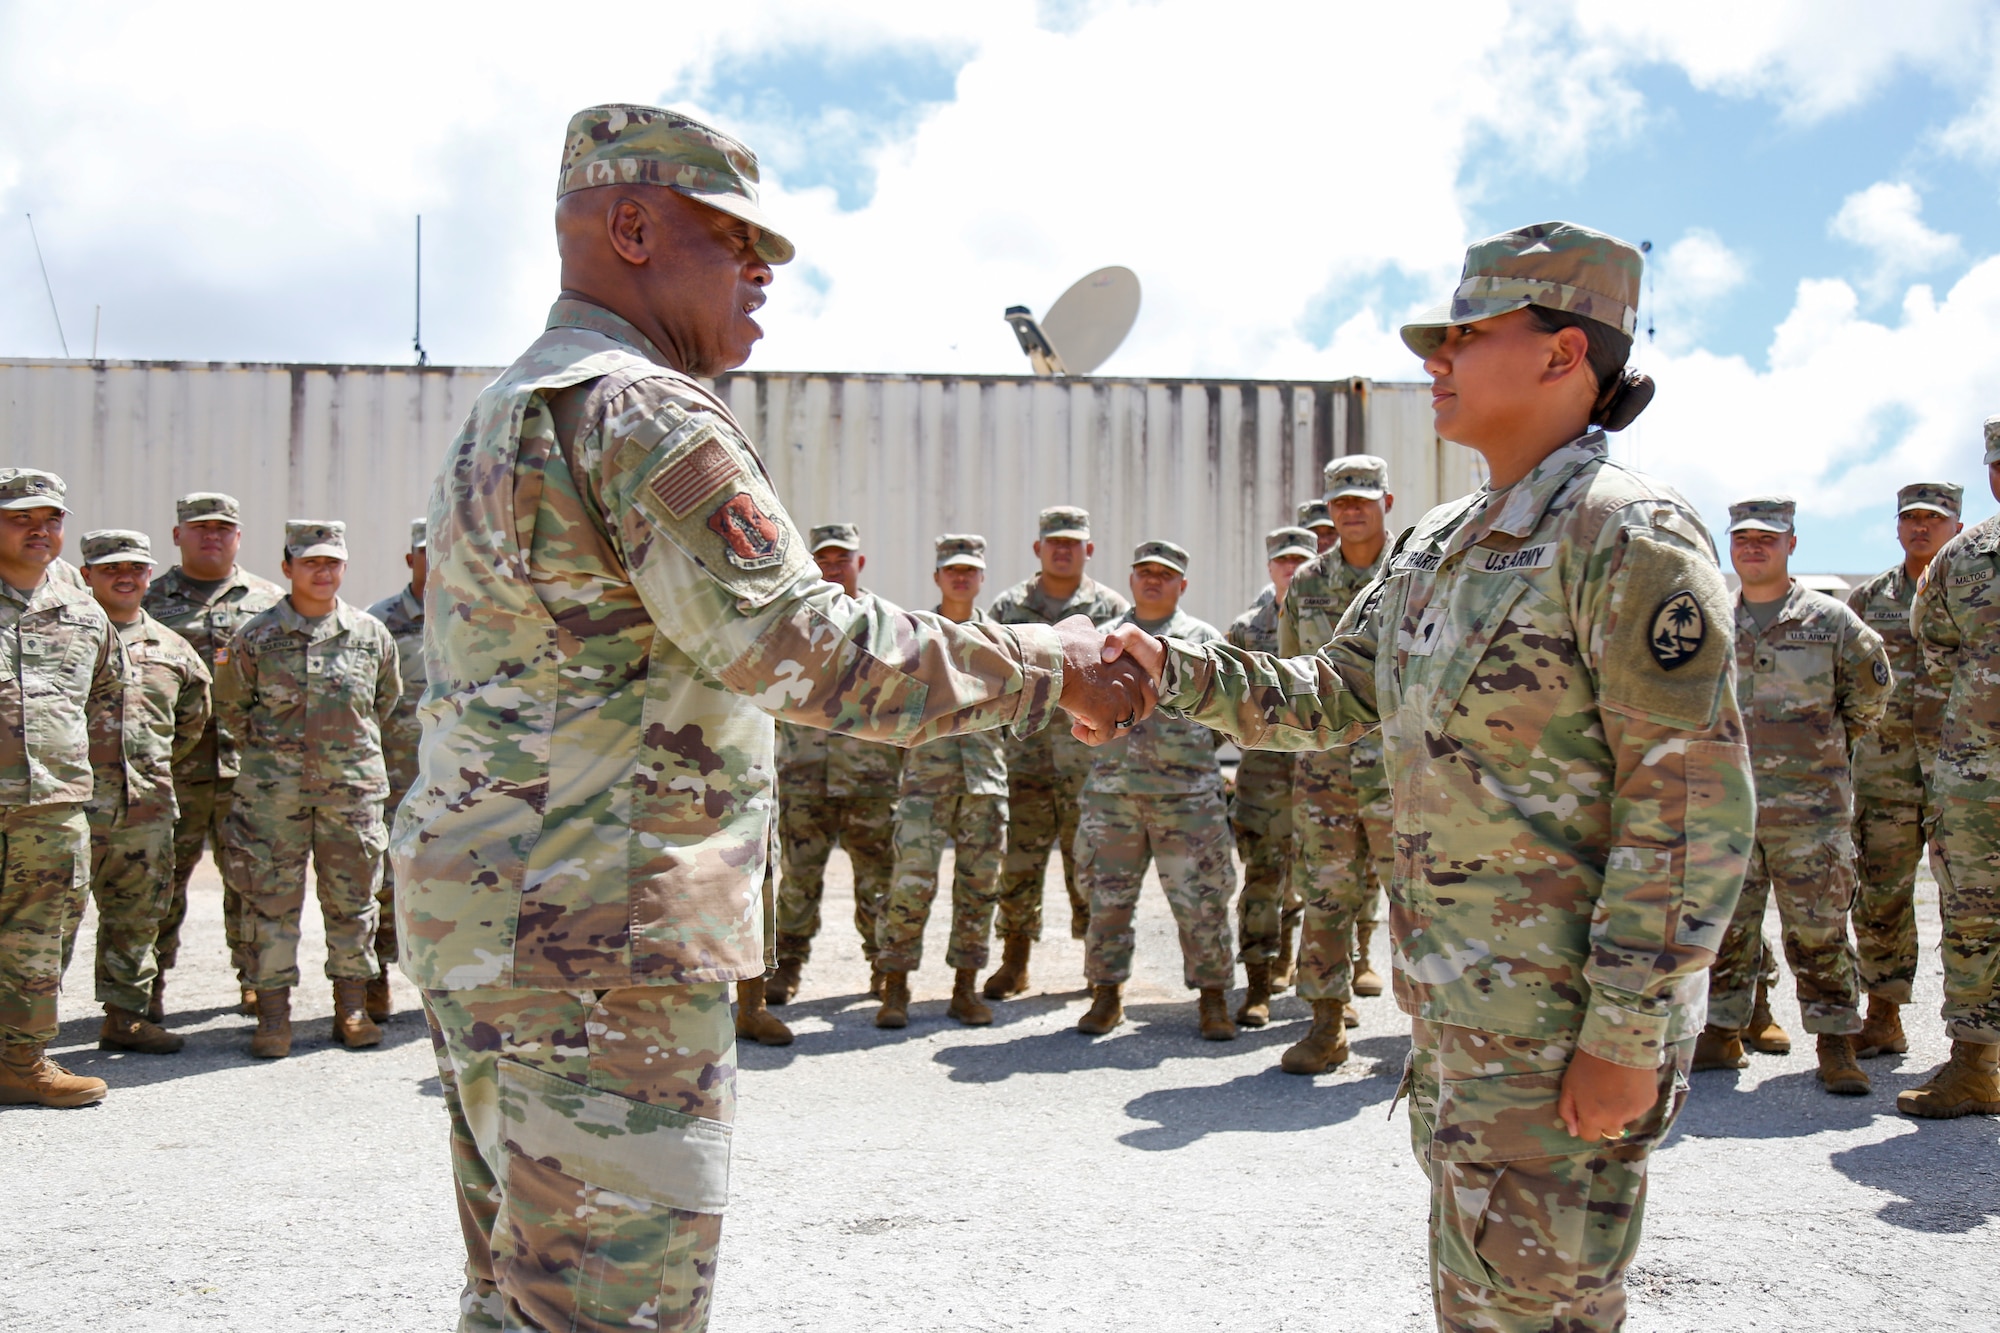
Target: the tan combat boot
pixel 874 982
pixel 377 999
pixel 1367 981
pixel 1324 1046
pixel 273 1038
pixel 1011 977
pixel 156 1007
pixel 966 1006
pixel 352 1027
pixel 1719 1048
pixel 1284 970
pixel 249 1006
pixel 1212 1012
pixel 1255 1011
pixel 29 1078
pixel 1107 1010
pixel 895 1010
pixel 1882 1034
pixel 1764 1035
pixel 1837 1069
pixel 124 1030
pixel 753 1021
pixel 1966 1084
pixel 783 983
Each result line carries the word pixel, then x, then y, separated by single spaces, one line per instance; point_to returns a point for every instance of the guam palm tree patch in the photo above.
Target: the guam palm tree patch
pixel 1679 629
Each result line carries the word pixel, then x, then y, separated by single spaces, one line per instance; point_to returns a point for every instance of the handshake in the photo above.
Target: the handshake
pixel 1111 679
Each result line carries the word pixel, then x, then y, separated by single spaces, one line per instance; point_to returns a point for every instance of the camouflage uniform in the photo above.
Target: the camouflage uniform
pixel 205 780
pixel 592 815
pixel 833 789
pixel 402 614
pixel 307 700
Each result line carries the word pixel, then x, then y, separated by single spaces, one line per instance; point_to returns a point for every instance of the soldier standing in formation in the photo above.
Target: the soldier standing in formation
pixel 832 788
pixel 402 614
pixel 157 718
pixel 1811 680
pixel 1316 518
pixel 205 599
pixel 953 788
pixel 306 688
pixel 1155 794
pixel 60 665
pixel 1260 807
pixel 1342 830
pixel 1558 636
pixel 1046 770
pixel 1893 810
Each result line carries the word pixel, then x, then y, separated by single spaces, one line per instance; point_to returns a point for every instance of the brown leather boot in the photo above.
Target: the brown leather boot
pixel 1324 1046
pixel 783 983
pixel 1966 1084
pixel 273 1038
pixel 753 1021
pixel 1107 1010
pixel 156 1007
pixel 1255 1011
pixel 1764 1035
pixel 1285 968
pixel 1367 981
pixel 124 1030
pixel 1212 1012
pixel 249 1006
pixel 1719 1048
pixel 352 1027
pixel 1011 977
pixel 966 1006
pixel 29 1078
pixel 1837 1069
pixel 377 999
pixel 895 1010
pixel 1882 1034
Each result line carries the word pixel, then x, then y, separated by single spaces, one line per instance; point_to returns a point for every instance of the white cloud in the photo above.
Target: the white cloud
pixel 1686 281
pixel 1885 219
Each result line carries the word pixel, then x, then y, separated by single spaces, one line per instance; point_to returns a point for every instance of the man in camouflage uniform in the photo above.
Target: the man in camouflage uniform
pixel 580 862
pixel 205 599
pixel 60 665
pixel 1155 795
pixel 307 687
pixel 832 788
pixel 1557 640
pixel 1316 518
pixel 159 715
pixel 1811 680
pixel 1343 848
pixel 1046 771
pixel 1956 619
pixel 1260 806
pixel 953 789
pixel 1893 810
pixel 402 614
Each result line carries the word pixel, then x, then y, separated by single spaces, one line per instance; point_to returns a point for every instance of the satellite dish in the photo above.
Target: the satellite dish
pixel 1085 325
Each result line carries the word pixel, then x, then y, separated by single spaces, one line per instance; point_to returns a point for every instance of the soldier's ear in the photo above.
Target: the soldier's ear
pixel 1388 501
pixel 860 562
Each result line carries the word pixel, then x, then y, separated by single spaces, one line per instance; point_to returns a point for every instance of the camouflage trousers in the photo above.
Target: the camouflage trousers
pixel 204 810
pixel 44 869
pixel 1965 857
pixel 590 1139
pixel 1042 816
pixel 386 951
pixel 808 827
pixel 132 880
pixel 1810 870
pixel 977 829
pixel 1260 814
pixel 1530 1230
pixel 1188 837
pixel 1889 844
pixel 271 837
pixel 1344 851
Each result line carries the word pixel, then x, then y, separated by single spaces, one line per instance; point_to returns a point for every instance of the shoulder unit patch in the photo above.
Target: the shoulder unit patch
pixel 1679 630
pixel 1881 672
pixel 751 538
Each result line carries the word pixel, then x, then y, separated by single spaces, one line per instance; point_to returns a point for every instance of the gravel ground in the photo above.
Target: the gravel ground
pixel 1014 1177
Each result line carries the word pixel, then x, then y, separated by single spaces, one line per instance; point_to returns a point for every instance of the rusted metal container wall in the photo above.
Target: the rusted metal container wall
pixel 1210 464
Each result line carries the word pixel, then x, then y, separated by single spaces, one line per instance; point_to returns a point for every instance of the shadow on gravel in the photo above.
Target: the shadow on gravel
pixel 853 1020
pixel 1937 1194
pixel 1268 1102
pixel 1786 1107
pixel 1151 1035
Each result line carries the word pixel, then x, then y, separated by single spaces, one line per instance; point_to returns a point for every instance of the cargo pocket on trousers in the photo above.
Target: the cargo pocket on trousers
pixel 645 1152
pixel 1500 1214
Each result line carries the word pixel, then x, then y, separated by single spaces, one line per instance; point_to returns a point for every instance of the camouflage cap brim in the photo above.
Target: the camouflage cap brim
pixel 963 560
pixel 322 548
pixel 35 502
pixel 1926 507
pixel 1067 534
pixel 1307 551
pixel 772 247
pixel 835 543
pixel 1489 297
pixel 1365 492
pixel 1754 524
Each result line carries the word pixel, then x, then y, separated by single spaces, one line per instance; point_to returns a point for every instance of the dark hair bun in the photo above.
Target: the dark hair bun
pixel 1625 402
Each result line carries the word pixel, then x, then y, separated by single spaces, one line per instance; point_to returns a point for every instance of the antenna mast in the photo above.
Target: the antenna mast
pixel 417 340
pixel 47 286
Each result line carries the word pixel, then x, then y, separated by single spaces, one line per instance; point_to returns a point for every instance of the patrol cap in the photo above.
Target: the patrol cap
pixel 1763 513
pixel 621 144
pixel 1364 475
pixel 208 506
pixel 847 536
pixel 1064 521
pixel 116 546
pixel 31 488
pixel 1315 514
pixel 1939 497
pixel 420 534
pixel 306 537
pixel 961 548
pixel 1161 552
pixel 1290 541
pixel 1992 440
pixel 1555 264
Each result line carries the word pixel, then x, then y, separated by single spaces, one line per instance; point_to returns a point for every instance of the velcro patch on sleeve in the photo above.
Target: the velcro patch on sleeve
pixel 698 475
pixel 1668 648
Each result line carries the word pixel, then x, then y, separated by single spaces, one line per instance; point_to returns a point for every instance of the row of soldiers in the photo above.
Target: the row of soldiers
pixel 208 707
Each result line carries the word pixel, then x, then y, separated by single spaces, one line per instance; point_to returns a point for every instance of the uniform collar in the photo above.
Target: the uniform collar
pixel 335 622
pixel 1518 509
pixel 1793 610
pixel 1085 589
pixel 185 581
pixel 412 608
pixel 570 312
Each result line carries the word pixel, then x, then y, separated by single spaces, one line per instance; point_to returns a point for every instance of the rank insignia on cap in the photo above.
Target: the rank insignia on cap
pixel 1679 629
pixel 751 538
pixel 1881 672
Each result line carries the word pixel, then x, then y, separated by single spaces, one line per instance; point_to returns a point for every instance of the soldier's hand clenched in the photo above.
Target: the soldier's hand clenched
pixel 1105 691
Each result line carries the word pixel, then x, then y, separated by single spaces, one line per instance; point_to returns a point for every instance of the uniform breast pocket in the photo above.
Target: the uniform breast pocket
pixel 1466 624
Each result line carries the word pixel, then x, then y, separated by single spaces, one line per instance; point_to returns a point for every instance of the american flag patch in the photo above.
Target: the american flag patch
pixel 696 477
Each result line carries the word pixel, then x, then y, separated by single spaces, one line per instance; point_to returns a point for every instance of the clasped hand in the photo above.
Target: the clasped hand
pixel 1111 681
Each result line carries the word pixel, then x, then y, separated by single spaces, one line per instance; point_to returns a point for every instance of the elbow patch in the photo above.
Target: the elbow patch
pixel 1667 653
